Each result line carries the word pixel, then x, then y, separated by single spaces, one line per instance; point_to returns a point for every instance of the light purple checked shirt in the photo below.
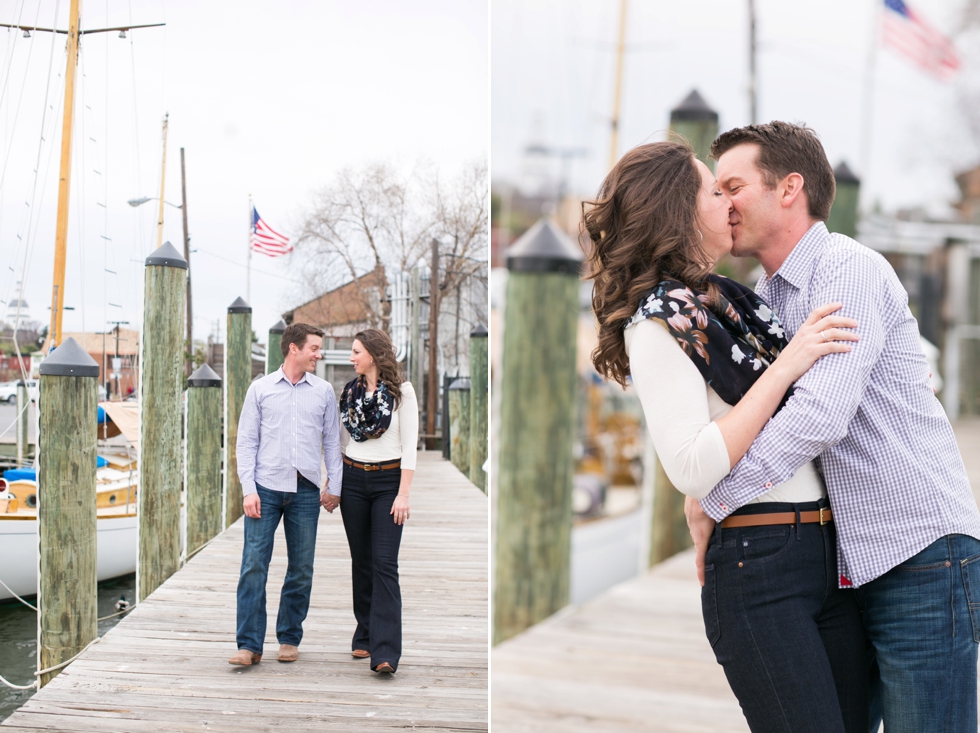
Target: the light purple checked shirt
pixel 282 430
pixel 894 475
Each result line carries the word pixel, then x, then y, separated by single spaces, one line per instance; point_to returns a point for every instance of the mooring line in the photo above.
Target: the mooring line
pixel 36 683
pixel 33 608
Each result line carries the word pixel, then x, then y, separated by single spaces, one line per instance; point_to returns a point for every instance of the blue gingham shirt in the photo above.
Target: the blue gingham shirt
pixel 894 475
pixel 283 428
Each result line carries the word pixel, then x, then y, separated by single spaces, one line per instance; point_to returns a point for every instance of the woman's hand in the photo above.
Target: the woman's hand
pixel 399 509
pixel 820 334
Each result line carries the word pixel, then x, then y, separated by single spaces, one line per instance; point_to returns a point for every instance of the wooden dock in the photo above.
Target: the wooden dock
pixel 165 667
pixel 633 659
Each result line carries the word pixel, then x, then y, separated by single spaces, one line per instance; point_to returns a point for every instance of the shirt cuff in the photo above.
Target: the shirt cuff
pixel 717 506
pixel 248 488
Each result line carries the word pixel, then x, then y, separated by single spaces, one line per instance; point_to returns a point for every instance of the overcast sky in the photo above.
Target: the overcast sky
pixel 553 68
pixel 270 99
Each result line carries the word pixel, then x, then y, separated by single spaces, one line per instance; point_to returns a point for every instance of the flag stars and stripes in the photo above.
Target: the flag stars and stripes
pixel 265 239
pixel 910 34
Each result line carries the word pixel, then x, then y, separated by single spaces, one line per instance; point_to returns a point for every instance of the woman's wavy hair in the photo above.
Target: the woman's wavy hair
pixel 644 227
pixel 378 344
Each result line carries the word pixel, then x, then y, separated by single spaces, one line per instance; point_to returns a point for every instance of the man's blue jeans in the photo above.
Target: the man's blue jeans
pixel 299 513
pixel 923 619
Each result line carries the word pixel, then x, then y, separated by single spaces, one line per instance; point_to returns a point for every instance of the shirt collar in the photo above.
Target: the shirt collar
pixel 797 266
pixel 282 375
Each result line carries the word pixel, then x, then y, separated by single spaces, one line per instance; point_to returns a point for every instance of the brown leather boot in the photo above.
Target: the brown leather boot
pixel 245 658
pixel 360 653
pixel 288 653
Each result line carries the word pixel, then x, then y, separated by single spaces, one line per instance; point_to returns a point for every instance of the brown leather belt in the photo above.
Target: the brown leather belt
pixel 374 466
pixel 763 520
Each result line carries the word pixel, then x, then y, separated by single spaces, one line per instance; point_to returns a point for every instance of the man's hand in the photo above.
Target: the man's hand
pixel 253 506
pixel 700 526
pixel 329 501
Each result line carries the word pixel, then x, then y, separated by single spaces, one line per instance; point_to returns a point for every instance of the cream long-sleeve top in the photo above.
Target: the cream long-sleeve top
pixel 399 441
pixel 681 410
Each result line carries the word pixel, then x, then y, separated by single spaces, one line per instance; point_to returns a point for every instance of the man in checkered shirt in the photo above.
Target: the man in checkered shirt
pixel 907 522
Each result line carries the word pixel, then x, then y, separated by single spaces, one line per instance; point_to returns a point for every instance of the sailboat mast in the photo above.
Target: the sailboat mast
pixel 163 179
pixel 618 88
pixel 61 232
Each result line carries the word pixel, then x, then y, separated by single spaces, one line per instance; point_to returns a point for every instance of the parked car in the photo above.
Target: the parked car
pixel 8 392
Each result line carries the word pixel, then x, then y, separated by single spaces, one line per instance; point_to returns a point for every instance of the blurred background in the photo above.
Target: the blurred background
pixel 893 92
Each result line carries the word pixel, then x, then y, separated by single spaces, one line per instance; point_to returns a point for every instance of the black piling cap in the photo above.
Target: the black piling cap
pixel 69 360
pixel 461 383
pixel 693 109
pixel 239 306
pixel 545 248
pixel 844 174
pixel 166 255
pixel 204 376
pixel 280 327
pixel 479 331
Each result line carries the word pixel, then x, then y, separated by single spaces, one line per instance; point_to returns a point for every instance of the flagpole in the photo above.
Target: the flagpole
pixel 867 103
pixel 248 268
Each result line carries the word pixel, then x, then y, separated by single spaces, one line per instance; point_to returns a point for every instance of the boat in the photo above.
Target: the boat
pixel 117 480
pixel 117 483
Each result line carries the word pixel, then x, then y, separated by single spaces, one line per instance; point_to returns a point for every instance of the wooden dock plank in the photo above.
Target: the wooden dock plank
pixel 165 668
pixel 634 659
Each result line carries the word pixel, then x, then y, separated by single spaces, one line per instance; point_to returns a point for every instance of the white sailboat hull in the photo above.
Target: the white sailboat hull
pixel 18 552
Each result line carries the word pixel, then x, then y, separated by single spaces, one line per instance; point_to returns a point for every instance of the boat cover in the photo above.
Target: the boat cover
pixel 126 417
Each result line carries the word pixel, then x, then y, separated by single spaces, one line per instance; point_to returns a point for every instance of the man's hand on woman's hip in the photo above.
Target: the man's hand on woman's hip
pixel 700 526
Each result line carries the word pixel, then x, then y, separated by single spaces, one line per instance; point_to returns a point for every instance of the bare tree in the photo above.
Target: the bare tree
pixel 460 209
pixel 368 220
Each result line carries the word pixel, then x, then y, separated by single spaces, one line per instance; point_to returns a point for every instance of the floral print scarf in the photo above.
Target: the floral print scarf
pixel 731 344
pixel 365 417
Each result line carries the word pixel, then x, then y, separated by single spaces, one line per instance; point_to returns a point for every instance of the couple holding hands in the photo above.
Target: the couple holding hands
pixel 289 417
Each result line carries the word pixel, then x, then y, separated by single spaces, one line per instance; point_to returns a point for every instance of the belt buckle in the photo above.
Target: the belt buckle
pixel 372 467
pixel 822 520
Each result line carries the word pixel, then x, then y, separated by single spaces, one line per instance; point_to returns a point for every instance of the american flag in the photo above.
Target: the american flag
pixel 909 33
pixel 266 240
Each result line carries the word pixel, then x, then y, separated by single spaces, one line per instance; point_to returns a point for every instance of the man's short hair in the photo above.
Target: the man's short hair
pixel 786 148
pixel 296 333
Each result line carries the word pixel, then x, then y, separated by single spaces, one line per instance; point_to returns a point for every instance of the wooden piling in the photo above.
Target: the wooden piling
pixel 844 213
pixel 695 121
pixel 537 429
pixel 238 375
pixel 67 582
pixel 161 418
pixel 458 432
pixel 23 423
pixel 203 438
pixel 669 534
pixel 479 405
pixel 273 352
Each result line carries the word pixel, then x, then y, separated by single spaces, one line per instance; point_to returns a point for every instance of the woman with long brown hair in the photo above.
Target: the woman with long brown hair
pixel 701 351
pixel 380 413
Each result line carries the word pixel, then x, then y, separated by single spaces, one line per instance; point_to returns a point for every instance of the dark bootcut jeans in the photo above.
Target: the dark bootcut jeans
pixel 374 539
pixel 923 618
pixel 299 513
pixel 790 640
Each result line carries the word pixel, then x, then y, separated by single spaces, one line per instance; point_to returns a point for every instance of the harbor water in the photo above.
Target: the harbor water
pixel 18 638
